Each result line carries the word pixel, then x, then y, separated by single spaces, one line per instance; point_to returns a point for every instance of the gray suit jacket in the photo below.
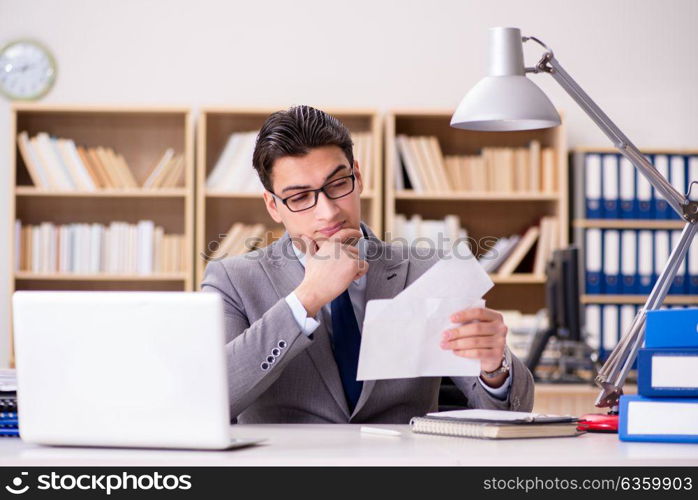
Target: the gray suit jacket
pixel 301 384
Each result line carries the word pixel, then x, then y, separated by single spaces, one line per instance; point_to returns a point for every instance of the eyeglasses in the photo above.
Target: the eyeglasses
pixel 306 200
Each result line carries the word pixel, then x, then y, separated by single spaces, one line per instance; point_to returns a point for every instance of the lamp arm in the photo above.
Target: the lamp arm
pixel 615 370
pixel 613 373
pixel 548 64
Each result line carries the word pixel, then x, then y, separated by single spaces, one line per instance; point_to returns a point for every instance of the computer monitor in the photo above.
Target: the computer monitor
pixel 564 308
pixel 563 305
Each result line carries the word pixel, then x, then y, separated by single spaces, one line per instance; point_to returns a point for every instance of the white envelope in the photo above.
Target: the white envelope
pixel 401 336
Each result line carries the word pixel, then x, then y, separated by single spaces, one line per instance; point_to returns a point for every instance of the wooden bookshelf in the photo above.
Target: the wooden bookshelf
pixel 627 224
pixel 474 196
pixel 483 214
pixel 140 134
pixel 637 299
pixel 519 278
pixel 217 211
pixel 26 275
pixel 29 191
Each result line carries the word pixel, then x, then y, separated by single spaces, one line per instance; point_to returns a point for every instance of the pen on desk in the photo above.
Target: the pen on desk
pixel 381 432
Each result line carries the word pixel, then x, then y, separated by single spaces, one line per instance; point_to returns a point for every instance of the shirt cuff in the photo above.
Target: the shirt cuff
pixel 500 392
pixel 307 324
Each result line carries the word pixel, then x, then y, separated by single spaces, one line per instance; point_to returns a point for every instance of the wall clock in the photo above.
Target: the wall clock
pixel 27 70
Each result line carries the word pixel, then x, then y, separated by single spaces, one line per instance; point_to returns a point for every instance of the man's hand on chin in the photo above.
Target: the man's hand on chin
pixel 330 266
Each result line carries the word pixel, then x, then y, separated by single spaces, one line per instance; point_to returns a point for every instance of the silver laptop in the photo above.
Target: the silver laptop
pixel 127 369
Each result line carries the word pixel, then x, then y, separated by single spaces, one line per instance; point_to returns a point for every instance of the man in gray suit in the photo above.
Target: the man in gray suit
pixel 293 310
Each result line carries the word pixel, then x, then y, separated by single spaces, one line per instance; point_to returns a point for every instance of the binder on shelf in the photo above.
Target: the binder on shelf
pixel 661 252
pixel 672 328
pixel 593 261
pixel 668 372
pixel 692 169
pixel 692 268
pixel 627 189
pixel 677 177
pixel 662 210
pixel 626 315
pixel 592 186
pixel 631 262
pixel 645 261
pixel 644 205
pixel 610 186
pixel 593 325
pixel 609 328
pixel 678 286
pixel 611 261
pixel 628 262
pixel 672 420
pixel 9 422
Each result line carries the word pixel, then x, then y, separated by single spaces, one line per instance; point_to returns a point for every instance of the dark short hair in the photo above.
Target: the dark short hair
pixel 295 132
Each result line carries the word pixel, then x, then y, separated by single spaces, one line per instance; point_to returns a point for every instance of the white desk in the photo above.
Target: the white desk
pixel 346 445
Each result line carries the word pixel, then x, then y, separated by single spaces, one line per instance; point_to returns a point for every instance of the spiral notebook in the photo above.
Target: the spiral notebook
pixel 495 424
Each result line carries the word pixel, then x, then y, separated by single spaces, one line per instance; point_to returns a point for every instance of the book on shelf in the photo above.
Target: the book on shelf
pixel 233 171
pixel 423 166
pixel 57 164
pixel 614 189
pixel 519 252
pixel 409 162
pixel 426 233
pixel 167 172
pixel 494 424
pixel 548 242
pixel 92 248
pixel 495 256
pixel 363 153
pixel 523 247
pixel 239 239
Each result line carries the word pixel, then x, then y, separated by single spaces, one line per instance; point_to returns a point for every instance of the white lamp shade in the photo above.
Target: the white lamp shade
pixel 506 99
pixel 499 103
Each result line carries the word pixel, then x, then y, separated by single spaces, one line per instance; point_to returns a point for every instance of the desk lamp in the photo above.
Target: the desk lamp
pixel 507 100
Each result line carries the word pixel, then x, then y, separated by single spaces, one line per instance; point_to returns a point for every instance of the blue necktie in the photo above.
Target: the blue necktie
pixel 347 340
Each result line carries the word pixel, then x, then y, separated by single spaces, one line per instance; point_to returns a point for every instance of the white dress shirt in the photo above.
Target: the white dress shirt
pixel 357 294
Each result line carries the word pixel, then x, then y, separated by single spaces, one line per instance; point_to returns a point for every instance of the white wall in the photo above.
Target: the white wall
pixel 637 58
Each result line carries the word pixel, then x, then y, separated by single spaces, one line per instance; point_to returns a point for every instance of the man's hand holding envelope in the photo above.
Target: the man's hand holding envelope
pixel 438 326
pixel 480 334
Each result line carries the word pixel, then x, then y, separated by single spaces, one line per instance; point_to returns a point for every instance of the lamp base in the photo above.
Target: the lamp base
pixel 599 422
